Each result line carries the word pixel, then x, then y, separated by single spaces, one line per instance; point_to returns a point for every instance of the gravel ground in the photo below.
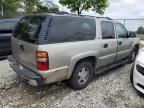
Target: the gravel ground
pixel 110 90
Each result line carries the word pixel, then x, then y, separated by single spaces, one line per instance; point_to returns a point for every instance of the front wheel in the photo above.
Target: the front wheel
pixel 132 55
pixel 81 76
pixel 131 73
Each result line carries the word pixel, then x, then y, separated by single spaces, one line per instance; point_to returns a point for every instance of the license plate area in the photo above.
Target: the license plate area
pixel 17 65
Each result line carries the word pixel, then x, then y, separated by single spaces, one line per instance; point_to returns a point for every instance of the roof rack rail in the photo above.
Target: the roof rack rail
pixel 9 17
pixel 105 17
pixel 66 13
pixel 87 15
pixel 61 12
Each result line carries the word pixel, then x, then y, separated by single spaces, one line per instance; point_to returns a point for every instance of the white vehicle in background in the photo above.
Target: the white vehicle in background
pixel 137 72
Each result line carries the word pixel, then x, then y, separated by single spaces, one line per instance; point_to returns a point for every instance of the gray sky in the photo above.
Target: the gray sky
pixel 120 9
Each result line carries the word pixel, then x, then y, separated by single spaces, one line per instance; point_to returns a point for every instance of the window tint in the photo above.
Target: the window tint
pixel 121 31
pixel 68 29
pixel 20 26
pixel 31 29
pixel 8 25
pixel 107 30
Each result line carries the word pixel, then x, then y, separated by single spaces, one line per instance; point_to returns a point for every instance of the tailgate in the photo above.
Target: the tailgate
pixel 24 40
pixel 24 53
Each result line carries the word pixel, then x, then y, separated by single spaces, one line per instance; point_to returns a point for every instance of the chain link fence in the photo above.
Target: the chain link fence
pixel 132 24
pixel 135 25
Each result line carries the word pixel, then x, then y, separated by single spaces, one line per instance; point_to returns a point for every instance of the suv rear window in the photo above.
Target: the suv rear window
pixel 20 25
pixel 28 28
pixel 69 29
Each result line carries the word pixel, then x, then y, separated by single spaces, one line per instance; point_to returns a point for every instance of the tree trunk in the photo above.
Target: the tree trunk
pixel 78 11
pixel 1 8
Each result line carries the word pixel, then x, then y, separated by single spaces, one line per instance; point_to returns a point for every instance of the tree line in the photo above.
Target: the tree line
pixel 21 7
pixel 140 30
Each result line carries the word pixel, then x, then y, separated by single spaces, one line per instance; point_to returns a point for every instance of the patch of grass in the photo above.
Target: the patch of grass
pixel 141 46
pixel 141 36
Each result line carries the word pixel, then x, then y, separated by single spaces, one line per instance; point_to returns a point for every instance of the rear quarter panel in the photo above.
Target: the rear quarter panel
pixel 67 54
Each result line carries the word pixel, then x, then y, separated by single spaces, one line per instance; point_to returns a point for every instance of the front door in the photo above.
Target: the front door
pixel 124 43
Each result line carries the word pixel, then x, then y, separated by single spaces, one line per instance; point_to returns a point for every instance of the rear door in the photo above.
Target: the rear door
pixel 6 28
pixel 24 42
pixel 109 43
pixel 124 43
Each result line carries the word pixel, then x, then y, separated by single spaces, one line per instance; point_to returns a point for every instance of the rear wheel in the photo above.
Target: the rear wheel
pixel 81 76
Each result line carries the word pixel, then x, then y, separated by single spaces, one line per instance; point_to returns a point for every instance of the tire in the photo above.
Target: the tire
pixel 133 55
pixel 82 75
pixel 131 73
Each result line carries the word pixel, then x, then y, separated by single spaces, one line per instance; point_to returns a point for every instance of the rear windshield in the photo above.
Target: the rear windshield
pixel 69 29
pixel 28 28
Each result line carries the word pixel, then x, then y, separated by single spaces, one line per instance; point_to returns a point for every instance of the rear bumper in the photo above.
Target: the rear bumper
pixel 33 78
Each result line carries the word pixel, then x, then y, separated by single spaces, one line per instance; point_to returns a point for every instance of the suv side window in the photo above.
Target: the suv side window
pixel 107 30
pixel 121 31
pixel 69 29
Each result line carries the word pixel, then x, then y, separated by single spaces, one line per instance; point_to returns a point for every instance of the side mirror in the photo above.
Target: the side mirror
pixel 132 35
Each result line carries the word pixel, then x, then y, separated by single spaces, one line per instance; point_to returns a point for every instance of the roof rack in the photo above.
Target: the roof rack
pixel 66 13
pixel 61 12
pixel 105 18
pixel 10 17
pixel 86 15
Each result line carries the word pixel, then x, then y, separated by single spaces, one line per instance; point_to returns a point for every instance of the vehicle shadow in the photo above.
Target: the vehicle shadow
pixel 105 73
pixel 58 89
pixel 51 92
pixel 23 89
pixel 3 58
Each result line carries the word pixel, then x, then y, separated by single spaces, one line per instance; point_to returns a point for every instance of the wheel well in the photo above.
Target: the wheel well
pixel 137 47
pixel 91 59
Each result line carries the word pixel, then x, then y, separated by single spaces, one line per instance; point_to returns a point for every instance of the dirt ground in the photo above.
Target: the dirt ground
pixel 110 90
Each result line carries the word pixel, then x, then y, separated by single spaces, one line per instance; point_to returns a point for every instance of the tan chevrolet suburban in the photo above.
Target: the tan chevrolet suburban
pixel 48 48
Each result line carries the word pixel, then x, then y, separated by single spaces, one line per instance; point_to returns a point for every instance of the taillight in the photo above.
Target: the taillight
pixel 42 60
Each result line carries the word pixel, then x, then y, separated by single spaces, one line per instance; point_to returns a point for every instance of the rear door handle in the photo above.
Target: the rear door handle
pixel 105 45
pixel 21 47
pixel 120 43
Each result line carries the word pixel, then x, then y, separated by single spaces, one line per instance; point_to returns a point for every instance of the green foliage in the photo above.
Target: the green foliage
pixel 80 5
pixel 53 10
pixel 30 5
pixel 9 7
pixel 41 8
pixel 46 8
pixel 12 7
pixel 140 30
